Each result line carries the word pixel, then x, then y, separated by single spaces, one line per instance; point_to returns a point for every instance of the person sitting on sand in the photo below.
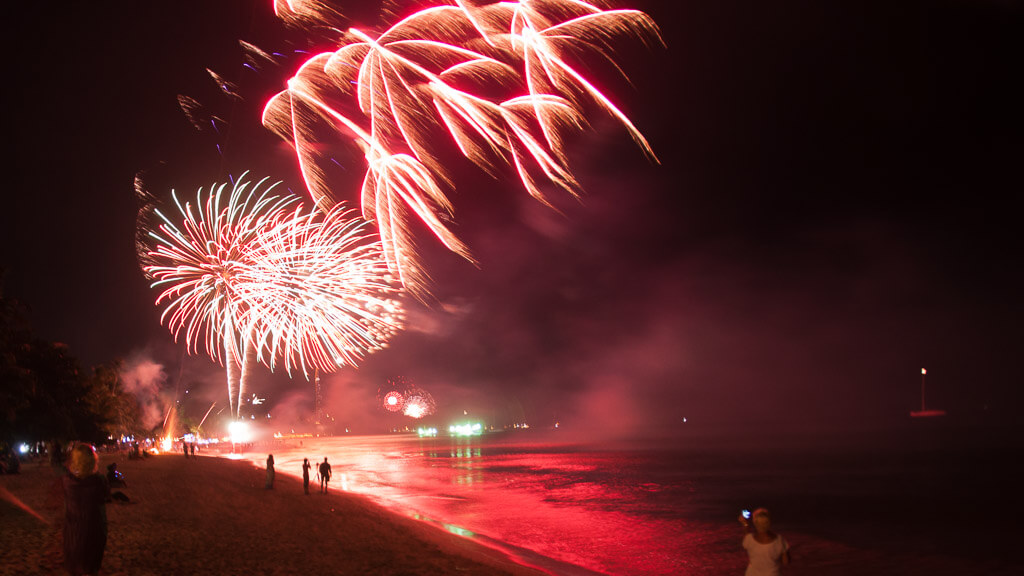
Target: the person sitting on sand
pixel 10 462
pixel 766 549
pixel 115 478
pixel 325 475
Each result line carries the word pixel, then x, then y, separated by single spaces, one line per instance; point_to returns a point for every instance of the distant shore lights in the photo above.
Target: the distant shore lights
pixel 474 429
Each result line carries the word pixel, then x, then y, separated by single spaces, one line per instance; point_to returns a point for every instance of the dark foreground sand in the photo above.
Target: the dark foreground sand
pixel 213 516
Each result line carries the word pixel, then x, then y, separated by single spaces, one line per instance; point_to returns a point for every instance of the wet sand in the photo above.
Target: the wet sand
pixel 210 515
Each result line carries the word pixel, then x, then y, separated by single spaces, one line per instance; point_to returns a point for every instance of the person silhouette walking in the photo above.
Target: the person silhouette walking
pixel 325 475
pixel 305 475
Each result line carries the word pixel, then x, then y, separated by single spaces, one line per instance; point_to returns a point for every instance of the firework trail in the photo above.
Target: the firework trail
pixel 450 72
pixel 306 13
pixel 545 33
pixel 248 276
pixel 200 426
pixel 255 57
pixel 197 115
pixel 228 88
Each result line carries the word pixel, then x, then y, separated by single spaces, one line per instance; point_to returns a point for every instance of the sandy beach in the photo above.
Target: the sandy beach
pixel 210 515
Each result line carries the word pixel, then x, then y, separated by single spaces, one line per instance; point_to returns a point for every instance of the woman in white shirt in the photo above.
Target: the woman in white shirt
pixel 766 549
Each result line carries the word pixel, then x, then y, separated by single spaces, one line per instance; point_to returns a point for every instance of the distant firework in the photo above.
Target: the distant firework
pixel 393 401
pixel 419 403
pixel 449 72
pixel 401 395
pixel 392 395
pixel 249 273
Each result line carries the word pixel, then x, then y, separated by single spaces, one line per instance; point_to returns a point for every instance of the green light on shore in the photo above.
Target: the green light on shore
pixel 459 530
pixel 468 429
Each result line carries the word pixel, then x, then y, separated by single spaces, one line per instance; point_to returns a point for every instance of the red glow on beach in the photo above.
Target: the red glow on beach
pixel 6 495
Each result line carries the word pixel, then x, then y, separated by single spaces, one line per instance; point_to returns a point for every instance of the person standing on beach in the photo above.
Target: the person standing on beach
pixel 325 475
pixel 767 550
pixel 270 472
pixel 85 512
pixel 305 475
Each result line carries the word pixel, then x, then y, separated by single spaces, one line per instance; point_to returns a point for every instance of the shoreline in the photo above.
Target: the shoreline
pixel 212 514
pixel 520 556
pixel 835 523
pixel 855 529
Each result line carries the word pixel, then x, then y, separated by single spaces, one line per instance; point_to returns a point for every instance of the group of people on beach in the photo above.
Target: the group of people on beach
pixel 323 474
pixel 86 493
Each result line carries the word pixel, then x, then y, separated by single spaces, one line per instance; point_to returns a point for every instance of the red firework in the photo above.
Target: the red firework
pixel 394 401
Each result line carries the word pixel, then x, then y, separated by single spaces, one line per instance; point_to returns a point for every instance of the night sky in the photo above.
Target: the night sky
pixel 836 207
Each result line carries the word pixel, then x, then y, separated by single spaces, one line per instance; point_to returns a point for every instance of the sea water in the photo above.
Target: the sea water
pixel 903 502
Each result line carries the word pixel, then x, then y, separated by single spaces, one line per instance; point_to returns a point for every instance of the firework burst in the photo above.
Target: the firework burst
pixel 320 294
pixel 196 257
pixel 396 94
pixel 394 401
pixel 545 34
pixel 249 275
pixel 401 395
pixel 419 403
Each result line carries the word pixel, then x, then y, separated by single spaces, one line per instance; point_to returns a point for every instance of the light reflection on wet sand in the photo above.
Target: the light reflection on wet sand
pixel 542 503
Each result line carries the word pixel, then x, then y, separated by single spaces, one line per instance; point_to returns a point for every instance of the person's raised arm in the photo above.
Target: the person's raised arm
pixel 744 519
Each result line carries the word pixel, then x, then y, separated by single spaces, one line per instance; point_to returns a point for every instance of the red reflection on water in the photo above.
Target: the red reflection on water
pixel 544 506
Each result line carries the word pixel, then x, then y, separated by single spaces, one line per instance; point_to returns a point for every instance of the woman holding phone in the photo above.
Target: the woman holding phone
pixel 766 549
